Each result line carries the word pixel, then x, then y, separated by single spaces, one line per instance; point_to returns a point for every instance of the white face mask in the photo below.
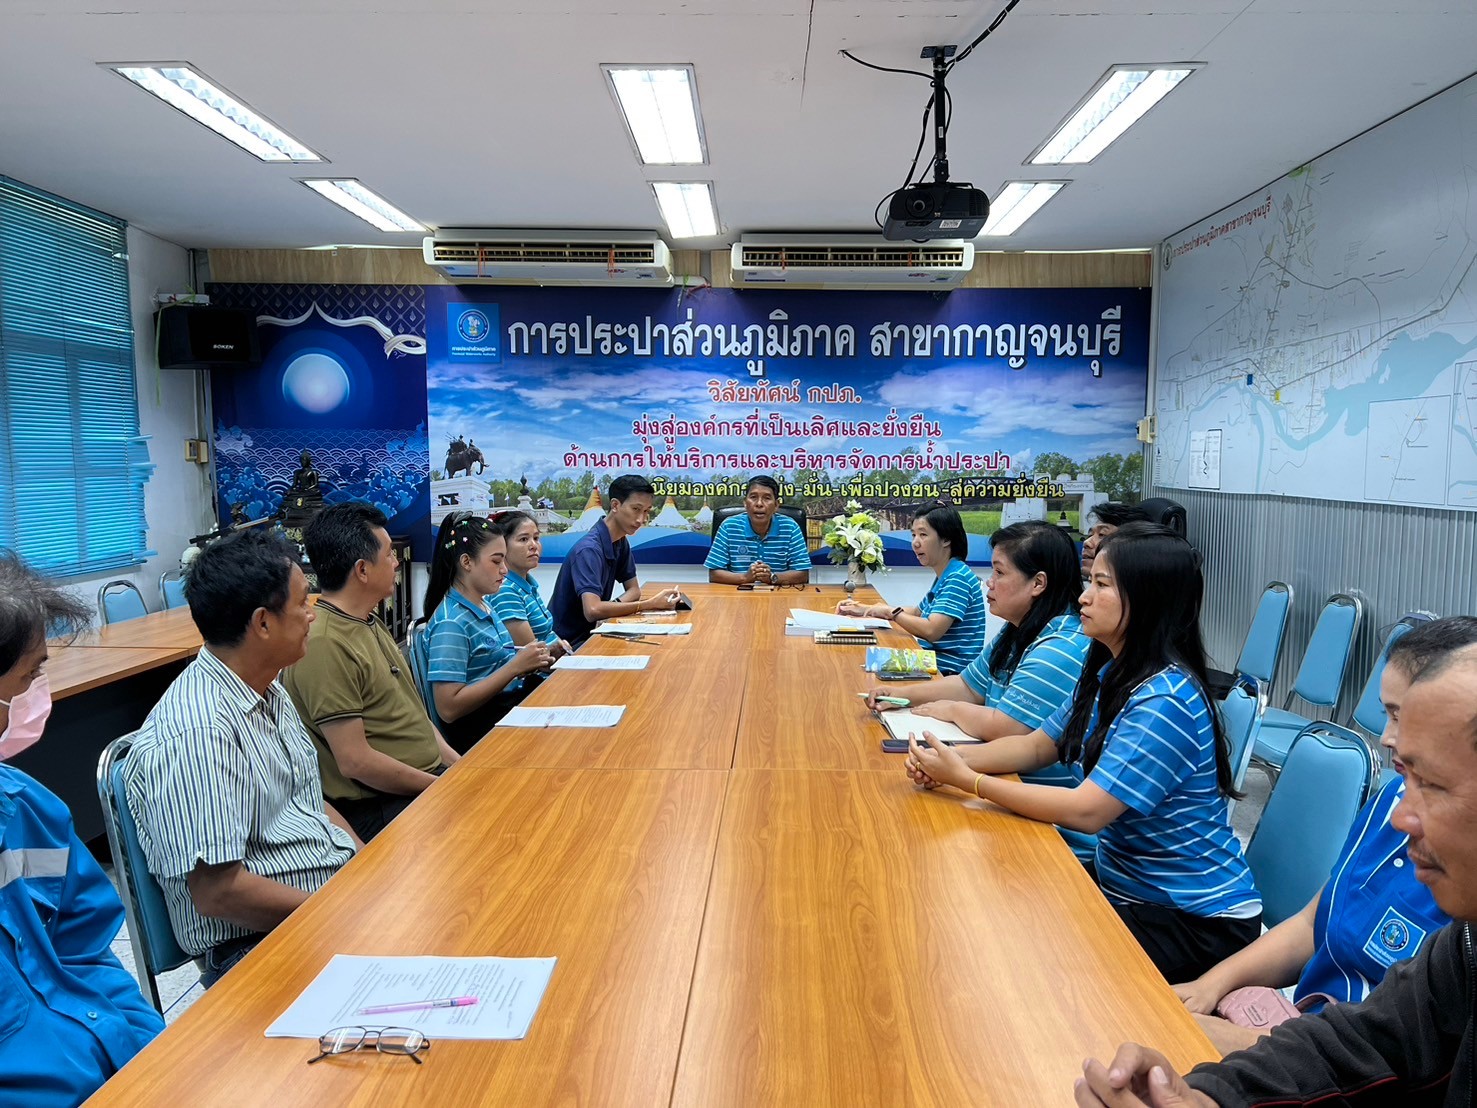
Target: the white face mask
pixel 28 714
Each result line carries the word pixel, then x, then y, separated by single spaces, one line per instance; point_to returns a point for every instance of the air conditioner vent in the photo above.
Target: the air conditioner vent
pixel 837 261
pixel 851 257
pixel 528 257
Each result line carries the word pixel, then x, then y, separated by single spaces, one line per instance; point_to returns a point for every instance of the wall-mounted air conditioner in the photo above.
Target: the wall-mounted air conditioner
pixel 849 261
pixel 524 257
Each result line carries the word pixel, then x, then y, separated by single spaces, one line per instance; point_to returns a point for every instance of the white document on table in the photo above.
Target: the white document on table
pixel 603 661
pixel 829 621
pixel 901 722
pixel 508 992
pixel 579 715
pixel 609 628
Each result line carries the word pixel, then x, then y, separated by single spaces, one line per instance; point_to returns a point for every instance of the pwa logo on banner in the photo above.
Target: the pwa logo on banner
pixel 474 333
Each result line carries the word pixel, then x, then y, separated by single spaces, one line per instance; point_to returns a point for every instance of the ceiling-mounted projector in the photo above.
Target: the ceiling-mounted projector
pixel 938 211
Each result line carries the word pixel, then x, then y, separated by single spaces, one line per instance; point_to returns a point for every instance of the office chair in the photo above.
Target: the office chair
pixel 155 949
pixel 1319 679
pixel 720 514
pixel 1324 782
pixel 120 600
pixel 172 590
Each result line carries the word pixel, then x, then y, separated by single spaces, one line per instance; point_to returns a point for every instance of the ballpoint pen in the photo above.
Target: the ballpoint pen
pixel 417 1005
pixel 898 701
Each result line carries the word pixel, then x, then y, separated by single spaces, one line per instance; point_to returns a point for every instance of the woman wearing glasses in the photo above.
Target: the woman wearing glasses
pixel 1156 765
pixel 950 620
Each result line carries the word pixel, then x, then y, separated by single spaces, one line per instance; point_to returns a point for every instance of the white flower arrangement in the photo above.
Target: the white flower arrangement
pixel 855 537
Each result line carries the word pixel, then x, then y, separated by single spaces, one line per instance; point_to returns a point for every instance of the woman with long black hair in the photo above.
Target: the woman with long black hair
pixel 474 670
pixel 1031 667
pixel 1155 763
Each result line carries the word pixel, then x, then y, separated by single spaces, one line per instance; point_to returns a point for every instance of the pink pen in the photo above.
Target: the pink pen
pixel 415 1005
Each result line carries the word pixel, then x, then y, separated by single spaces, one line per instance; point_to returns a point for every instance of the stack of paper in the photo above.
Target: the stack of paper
pixel 901 722
pixel 603 661
pixel 613 627
pixel 583 715
pixel 827 621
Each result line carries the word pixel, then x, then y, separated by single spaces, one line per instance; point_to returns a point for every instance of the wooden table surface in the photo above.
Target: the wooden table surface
pixel 74 669
pixel 172 627
pixel 750 905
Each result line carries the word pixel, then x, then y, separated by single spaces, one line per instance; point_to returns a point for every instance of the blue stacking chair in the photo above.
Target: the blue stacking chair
pixel 1324 782
pixel 417 656
pixel 1369 709
pixel 1240 714
pixel 1320 678
pixel 120 600
pixel 1262 647
pixel 172 590
pixel 155 949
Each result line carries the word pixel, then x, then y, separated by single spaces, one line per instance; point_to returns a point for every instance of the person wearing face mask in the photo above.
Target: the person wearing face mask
pixel 518 603
pixel 474 670
pixel 1371 913
pixel 71 1015
pixel 377 749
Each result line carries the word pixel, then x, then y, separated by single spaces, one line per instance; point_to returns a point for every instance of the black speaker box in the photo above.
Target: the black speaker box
pixel 194 337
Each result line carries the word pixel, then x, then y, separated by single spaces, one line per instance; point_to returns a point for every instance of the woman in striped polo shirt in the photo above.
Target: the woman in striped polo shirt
pixel 1156 765
pixel 950 619
pixel 518 603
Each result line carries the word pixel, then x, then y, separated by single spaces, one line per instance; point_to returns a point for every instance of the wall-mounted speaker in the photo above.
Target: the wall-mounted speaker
pixel 194 337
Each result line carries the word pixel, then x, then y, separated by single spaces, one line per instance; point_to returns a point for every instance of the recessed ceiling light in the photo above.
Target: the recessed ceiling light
pixel 183 87
pixel 1016 202
pixel 368 206
pixel 687 208
pixel 1114 105
pixel 659 104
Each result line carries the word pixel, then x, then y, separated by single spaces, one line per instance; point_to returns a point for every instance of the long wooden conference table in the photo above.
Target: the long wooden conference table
pixel 749 902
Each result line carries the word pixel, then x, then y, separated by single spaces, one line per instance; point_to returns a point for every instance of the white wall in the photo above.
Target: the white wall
pixel 178 498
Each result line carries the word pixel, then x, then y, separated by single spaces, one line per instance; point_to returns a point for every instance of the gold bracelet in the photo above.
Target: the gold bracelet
pixel 976 789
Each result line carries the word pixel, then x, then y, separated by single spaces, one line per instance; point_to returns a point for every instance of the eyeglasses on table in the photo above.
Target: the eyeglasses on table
pixel 386 1040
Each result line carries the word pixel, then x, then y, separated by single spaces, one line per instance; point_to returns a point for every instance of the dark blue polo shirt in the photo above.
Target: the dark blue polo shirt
pixel 594 564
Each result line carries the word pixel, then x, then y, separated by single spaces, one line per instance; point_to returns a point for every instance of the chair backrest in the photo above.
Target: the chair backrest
pixel 417 656
pixel 155 948
pixel 797 514
pixel 172 590
pixel 1168 513
pixel 1262 647
pixel 120 600
pixel 1369 709
pixel 1321 674
pixel 1324 782
pixel 1240 712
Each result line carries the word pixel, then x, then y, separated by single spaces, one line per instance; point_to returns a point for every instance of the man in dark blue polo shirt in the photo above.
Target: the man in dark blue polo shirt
pixel 600 559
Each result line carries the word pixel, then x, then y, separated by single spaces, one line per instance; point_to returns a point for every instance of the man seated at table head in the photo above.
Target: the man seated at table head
pixel 1102 521
pixel 377 748
pixel 222 779
pixel 601 557
pixel 1412 1041
pixel 761 546
pixel 71 1014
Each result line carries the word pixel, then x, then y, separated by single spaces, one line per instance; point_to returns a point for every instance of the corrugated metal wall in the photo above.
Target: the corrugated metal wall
pixel 1395 559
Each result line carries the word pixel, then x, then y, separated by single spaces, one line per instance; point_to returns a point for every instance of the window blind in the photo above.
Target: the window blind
pixel 73 467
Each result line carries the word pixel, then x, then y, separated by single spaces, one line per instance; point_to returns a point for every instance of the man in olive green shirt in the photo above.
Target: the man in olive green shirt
pixel 377 749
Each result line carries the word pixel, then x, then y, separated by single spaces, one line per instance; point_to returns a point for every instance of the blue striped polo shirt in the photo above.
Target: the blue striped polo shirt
pixel 1044 678
pixel 1372 912
pixel 956 592
pixel 736 546
pixel 464 643
pixel 1173 845
pixel 519 599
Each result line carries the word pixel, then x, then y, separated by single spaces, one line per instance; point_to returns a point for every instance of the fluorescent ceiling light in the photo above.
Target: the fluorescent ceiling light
pixel 182 87
pixel 1118 101
pixel 687 208
pixel 1016 202
pixel 368 206
pixel 661 112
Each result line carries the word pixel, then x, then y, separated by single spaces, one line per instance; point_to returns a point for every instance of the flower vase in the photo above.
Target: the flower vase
pixel 856 576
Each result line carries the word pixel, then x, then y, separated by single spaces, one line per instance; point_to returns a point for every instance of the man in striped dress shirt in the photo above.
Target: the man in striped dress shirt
pixel 222 779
